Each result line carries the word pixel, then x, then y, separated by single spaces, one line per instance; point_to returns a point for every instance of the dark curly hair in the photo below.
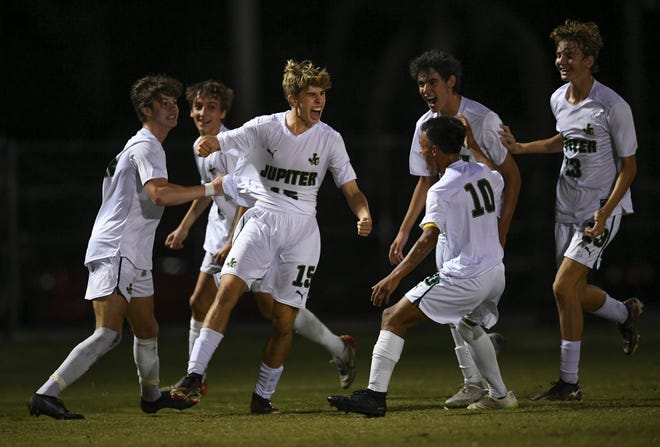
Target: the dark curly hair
pixel 444 63
pixel 148 89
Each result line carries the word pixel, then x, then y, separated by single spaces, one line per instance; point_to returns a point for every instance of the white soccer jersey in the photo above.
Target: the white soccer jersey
pixel 223 209
pixel 464 204
pixel 485 125
pixel 126 222
pixel 596 133
pixel 290 167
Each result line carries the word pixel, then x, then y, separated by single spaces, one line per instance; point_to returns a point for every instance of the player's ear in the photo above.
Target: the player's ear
pixel 292 100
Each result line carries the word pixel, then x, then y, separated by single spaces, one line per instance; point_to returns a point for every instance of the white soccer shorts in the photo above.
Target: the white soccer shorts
pixel 276 253
pixel 572 243
pixel 446 300
pixel 110 274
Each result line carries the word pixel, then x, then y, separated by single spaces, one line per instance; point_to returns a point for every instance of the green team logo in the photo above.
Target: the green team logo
pixel 231 263
pixel 112 167
pixel 588 130
pixel 314 161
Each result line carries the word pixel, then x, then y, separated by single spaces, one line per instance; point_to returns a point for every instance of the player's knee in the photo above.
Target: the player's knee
pixel 469 330
pixel 106 338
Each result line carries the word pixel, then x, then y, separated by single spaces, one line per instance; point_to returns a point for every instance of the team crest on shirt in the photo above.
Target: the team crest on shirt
pixel 231 263
pixel 588 130
pixel 314 160
pixel 112 167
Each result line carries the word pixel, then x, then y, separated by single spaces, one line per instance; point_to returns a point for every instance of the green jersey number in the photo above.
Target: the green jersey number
pixel 485 203
pixel 305 275
pixel 573 167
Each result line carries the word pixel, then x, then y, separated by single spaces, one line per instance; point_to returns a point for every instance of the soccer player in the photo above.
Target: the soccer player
pixel 438 77
pixel 596 133
pixel 119 252
pixel 463 205
pixel 210 102
pixel 277 245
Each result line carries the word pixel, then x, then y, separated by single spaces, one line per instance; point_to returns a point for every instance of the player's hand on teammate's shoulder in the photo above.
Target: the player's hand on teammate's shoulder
pixel 508 140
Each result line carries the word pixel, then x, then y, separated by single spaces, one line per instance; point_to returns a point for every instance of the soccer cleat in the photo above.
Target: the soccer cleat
pixel 498 341
pixel 346 362
pixel 165 401
pixel 561 390
pixel 367 402
pixel 469 393
pixel 490 403
pixel 628 331
pixel 50 406
pixel 204 389
pixel 261 405
pixel 190 389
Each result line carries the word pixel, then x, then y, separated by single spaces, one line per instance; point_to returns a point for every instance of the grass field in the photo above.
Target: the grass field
pixel 621 405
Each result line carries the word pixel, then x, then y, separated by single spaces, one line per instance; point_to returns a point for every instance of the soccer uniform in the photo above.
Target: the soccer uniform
pixel 120 248
pixel 223 209
pixel 596 133
pixel 464 204
pixel 485 125
pixel 277 245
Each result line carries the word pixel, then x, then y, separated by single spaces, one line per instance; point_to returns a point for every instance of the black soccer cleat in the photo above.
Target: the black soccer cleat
pixel 367 402
pixel 189 389
pixel 627 329
pixel 50 406
pixel 261 405
pixel 165 401
pixel 561 390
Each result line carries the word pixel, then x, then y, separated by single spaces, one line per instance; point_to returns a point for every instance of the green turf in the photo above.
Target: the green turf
pixel 621 405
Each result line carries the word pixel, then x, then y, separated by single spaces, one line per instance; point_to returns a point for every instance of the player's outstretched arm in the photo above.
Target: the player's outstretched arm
pixel 417 203
pixel 357 201
pixel 550 145
pixel 175 239
pixel 163 193
pixel 383 290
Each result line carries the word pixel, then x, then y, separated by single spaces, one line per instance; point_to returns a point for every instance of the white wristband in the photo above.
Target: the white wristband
pixel 209 190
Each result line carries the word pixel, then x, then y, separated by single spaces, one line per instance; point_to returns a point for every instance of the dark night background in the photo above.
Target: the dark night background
pixel 67 68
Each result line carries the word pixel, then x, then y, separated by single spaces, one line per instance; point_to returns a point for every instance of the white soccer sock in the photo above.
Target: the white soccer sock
pixel 203 350
pixel 613 310
pixel 470 371
pixel 484 357
pixel 570 359
pixel 310 327
pixel 193 333
pixel 79 360
pixel 145 354
pixel 386 353
pixel 267 380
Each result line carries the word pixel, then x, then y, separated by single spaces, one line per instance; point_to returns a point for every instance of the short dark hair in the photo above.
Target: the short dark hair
pixel 146 90
pixel 214 89
pixel 448 133
pixel 585 35
pixel 444 63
